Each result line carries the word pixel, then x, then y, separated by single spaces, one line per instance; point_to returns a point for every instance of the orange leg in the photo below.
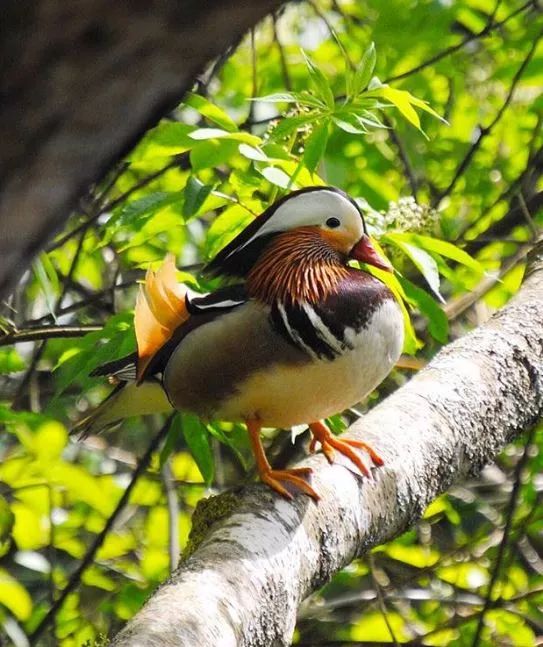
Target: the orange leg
pixel 329 442
pixel 273 477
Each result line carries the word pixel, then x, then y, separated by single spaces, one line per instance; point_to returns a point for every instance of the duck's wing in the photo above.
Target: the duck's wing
pixel 165 314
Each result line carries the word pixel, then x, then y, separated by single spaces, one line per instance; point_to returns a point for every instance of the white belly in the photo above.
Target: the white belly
pixel 288 396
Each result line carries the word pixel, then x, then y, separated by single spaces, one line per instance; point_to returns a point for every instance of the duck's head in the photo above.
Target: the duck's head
pixel 316 220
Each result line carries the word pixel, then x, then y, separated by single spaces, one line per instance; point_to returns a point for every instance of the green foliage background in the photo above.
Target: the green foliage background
pixel 333 108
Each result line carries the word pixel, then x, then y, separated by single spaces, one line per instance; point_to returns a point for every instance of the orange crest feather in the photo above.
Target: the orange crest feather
pixel 160 309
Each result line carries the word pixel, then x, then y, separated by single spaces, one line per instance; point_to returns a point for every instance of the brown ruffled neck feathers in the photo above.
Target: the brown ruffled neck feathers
pixel 296 266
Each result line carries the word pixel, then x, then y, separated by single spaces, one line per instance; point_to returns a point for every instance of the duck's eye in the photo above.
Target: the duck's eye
pixel 333 223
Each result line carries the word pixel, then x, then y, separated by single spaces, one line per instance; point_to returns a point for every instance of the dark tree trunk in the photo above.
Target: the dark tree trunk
pixel 80 82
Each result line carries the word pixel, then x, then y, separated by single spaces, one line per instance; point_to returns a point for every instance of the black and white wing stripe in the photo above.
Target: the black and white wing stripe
pixel 330 328
pixel 123 369
pixel 309 329
pixel 219 301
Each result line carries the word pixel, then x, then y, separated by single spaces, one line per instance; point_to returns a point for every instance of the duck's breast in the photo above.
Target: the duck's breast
pixel 283 394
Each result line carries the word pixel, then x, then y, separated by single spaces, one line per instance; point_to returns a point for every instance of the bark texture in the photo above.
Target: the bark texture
pixel 244 583
pixel 80 82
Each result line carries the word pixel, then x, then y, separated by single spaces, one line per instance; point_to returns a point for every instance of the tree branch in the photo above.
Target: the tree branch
pixel 39 333
pixel 513 501
pixel 248 576
pixel 485 131
pixel 490 27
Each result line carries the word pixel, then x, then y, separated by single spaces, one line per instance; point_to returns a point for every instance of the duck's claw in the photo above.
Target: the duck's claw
pixel 274 478
pixel 295 476
pixel 329 443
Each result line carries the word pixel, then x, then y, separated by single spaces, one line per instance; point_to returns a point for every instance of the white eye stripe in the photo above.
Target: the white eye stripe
pixel 308 209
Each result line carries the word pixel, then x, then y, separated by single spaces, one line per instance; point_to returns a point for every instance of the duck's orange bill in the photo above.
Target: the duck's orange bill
pixel 365 252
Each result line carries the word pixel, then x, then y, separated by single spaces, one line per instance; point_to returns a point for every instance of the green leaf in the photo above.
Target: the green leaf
pixel 320 83
pixel 443 248
pixel 288 125
pixel 279 97
pixel 402 100
pixel 135 214
pixel 423 105
pixel 167 139
pixel 197 439
pixel 47 278
pixel 236 438
pixel 210 110
pixel 253 153
pixel 348 127
pixel 315 146
pixel 216 133
pixel 14 596
pixel 411 343
pixel 196 193
pixel 308 100
pixel 212 153
pixel 438 324
pixel 421 259
pixel 116 340
pixel 11 361
pixel 225 227
pixel 276 176
pixel 367 118
pixel 364 72
pixel 303 98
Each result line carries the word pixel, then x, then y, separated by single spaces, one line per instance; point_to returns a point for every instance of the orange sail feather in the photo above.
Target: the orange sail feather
pixel 160 309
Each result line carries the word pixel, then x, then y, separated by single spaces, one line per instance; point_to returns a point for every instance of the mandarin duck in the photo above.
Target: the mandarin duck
pixel 298 336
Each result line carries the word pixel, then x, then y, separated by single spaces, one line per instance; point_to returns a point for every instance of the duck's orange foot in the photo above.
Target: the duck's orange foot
pixel 295 476
pixel 329 443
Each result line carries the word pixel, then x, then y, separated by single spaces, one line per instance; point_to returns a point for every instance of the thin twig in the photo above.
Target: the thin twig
pixel 499 229
pixel 513 500
pixel 115 203
pixel 282 58
pixel 333 33
pixel 490 27
pixel 527 216
pixel 254 82
pixel 404 156
pixel 46 332
pixel 134 276
pixel 381 599
pixel 88 559
pixel 486 130
pixel 534 164
pixel 173 514
pixel 39 351
pixel 202 86
pixel 456 308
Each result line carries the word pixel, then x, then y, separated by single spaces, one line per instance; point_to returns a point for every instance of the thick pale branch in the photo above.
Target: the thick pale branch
pixel 244 583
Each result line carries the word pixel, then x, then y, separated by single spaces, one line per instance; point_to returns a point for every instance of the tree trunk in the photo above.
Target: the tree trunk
pixel 80 82
pixel 244 583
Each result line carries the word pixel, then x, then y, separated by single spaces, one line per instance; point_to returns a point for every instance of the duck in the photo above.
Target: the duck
pixel 295 334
